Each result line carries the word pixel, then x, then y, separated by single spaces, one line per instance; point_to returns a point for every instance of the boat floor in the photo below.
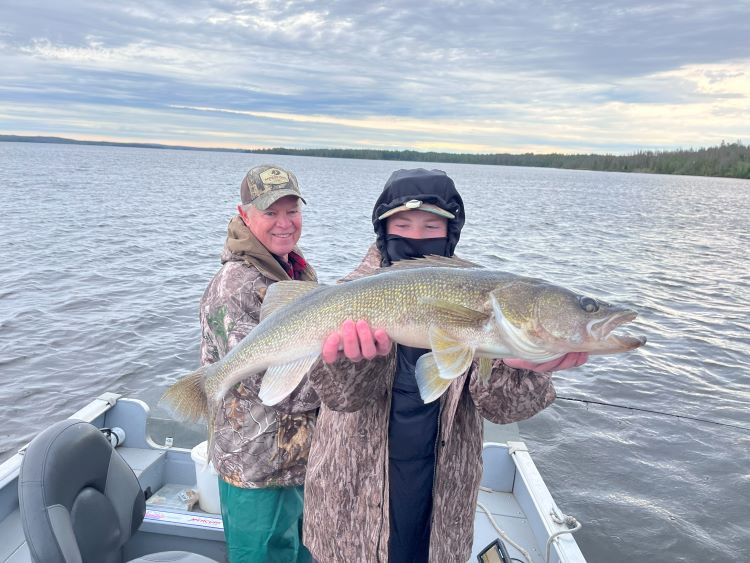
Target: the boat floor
pixel 503 507
pixel 516 511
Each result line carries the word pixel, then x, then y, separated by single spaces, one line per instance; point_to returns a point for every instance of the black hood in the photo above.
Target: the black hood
pixel 428 186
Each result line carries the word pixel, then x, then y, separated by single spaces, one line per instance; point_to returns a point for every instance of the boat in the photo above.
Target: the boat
pixel 516 517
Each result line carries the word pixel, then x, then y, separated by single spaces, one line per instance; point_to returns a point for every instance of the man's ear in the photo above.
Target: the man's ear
pixel 243 215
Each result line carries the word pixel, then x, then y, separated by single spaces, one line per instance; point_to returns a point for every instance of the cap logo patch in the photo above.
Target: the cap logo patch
pixel 413 204
pixel 274 176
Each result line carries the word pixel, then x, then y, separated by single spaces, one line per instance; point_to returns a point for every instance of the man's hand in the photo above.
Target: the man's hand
pixel 358 341
pixel 569 360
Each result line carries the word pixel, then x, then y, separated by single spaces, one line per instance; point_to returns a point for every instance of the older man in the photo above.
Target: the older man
pixel 259 452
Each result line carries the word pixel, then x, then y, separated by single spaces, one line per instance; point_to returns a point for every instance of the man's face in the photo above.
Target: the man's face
pixel 279 227
pixel 416 224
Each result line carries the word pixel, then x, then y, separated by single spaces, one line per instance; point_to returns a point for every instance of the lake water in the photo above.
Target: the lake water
pixel 105 253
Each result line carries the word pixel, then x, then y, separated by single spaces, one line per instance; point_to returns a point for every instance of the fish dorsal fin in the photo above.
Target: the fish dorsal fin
pixel 452 356
pixel 282 293
pixel 280 380
pixel 447 311
pixel 431 384
pixel 433 261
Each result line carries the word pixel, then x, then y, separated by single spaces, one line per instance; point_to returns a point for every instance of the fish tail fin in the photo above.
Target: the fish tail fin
pixel 427 373
pixel 186 399
pixel 280 380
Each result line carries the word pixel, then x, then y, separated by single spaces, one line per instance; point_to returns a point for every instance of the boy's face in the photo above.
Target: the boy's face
pixel 416 224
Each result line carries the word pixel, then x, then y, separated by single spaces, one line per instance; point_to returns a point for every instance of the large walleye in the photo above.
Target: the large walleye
pixel 458 312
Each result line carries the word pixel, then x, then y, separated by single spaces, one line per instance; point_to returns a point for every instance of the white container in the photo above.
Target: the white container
pixel 207 480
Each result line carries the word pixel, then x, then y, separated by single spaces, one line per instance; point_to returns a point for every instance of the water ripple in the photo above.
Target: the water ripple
pixel 105 298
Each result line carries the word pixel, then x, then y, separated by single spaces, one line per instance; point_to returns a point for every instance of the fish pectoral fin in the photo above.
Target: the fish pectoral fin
pixel 280 380
pixel 447 311
pixel 431 384
pixel 485 370
pixel 282 293
pixel 452 356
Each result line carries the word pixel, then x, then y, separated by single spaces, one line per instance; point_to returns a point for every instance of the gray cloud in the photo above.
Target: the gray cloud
pixel 501 62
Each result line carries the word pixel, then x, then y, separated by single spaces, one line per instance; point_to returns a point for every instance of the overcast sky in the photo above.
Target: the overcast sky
pixel 476 76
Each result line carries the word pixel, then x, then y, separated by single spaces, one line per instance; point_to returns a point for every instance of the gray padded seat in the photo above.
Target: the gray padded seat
pixel 80 502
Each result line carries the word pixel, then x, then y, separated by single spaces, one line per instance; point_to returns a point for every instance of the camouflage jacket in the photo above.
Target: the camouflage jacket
pixel 254 445
pixel 346 489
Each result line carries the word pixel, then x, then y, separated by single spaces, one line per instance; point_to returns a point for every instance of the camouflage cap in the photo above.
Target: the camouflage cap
pixel 265 184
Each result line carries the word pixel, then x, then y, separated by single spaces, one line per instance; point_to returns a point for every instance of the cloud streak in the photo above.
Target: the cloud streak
pixel 485 76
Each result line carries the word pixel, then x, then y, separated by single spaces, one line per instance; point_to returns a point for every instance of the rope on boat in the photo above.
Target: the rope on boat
pixel 500 531
pixel 683 416
pixel 569 521
pixel 562 519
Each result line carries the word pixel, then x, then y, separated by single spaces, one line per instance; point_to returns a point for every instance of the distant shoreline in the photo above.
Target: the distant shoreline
pixel 727 160
pixel 66 141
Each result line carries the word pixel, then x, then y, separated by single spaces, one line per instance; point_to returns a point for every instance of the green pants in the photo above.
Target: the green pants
pixel 263 525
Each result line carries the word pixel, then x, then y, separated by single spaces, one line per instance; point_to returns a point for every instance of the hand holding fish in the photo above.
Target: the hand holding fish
pixel 569 360
pixel 356 341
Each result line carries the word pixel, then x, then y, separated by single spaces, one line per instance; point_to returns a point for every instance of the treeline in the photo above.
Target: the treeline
pixel 731 160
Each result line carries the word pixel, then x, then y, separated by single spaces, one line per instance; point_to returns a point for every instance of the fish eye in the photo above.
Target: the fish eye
pixel 588 304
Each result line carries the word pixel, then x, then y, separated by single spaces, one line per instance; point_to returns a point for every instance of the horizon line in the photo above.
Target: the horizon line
pixel 68 140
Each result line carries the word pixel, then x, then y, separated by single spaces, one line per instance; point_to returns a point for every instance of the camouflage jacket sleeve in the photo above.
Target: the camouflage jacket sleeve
pixel 230 309
pixel 511 394
pixel 348 386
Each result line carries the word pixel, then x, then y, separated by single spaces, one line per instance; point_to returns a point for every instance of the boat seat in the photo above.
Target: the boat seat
pixel 80 502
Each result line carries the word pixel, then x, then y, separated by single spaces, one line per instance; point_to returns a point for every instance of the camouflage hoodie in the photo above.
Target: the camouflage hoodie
pixel 346 489
pixel 254 445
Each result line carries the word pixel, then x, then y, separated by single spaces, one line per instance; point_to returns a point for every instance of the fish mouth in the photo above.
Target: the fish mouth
pixel 623 343
pixel 601 331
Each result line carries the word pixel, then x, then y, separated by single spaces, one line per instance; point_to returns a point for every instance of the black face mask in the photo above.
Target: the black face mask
pixel 400 248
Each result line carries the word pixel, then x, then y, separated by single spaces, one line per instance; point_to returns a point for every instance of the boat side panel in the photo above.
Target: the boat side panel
pixel 499 470
pixel 9 497
pixel 131 415
pixel 180 467
pixel 13 547
pixel 537 502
